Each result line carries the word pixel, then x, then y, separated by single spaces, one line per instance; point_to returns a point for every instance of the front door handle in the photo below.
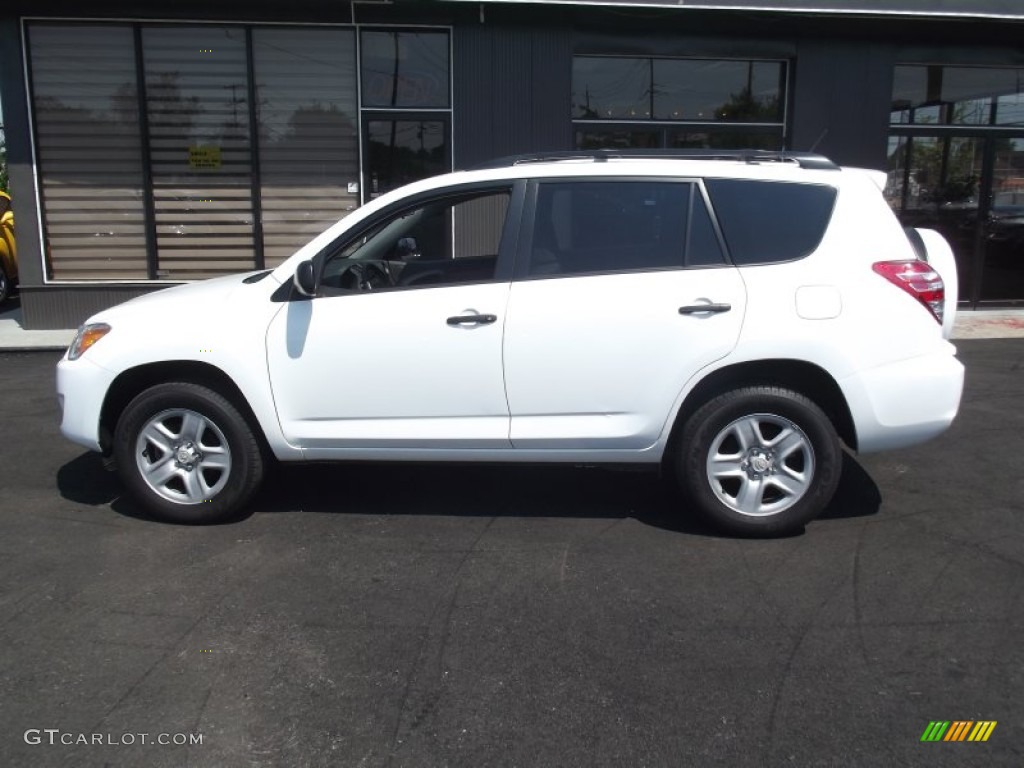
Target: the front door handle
pixel 696 309
pixel 472 319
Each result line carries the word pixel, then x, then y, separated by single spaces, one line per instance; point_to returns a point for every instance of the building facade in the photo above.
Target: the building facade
pixel 151 145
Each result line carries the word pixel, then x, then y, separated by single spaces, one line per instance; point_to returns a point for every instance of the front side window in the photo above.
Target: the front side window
pixel 446 241
pixel 608 226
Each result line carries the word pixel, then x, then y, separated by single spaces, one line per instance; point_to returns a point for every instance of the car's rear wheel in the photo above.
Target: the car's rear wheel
pixel 759 461
pixel 187 454
pixel 5 285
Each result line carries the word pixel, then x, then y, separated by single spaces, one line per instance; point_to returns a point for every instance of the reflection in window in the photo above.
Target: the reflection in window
pixel 714 97
pixel 308 135
pixel 405 69
pixel 692 90
pixel 611 88
pixel 937 95
pixel 593 137
pixel 89 147
pixel 197 102
pixel 681 139
pixel 727 91
pixel 402 151
pixel 937 182
pixel 1003 277
pixel 933 183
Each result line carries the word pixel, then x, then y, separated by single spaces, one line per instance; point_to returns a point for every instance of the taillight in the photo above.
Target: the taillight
pixel 919 280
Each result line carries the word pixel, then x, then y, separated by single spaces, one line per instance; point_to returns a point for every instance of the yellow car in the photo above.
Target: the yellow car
pixel 8 250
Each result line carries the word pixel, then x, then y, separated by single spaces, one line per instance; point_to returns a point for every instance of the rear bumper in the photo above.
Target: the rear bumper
pixel 906 402
pixel 81 389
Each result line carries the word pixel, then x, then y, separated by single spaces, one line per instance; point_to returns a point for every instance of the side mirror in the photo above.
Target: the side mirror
pixel 305 279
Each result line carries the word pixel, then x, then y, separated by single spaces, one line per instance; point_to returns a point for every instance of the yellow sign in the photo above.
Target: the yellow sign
pixel 204 157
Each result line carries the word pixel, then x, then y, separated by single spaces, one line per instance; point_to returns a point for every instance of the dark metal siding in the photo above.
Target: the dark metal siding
pixel 60 306
pixel 841 101
pixel 512 91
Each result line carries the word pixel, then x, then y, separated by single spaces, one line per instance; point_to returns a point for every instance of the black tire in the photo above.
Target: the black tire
pixel 5 286
pixel 778 461
pixel 205 445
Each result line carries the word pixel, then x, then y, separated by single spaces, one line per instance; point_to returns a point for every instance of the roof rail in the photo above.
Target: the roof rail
pixel 803 159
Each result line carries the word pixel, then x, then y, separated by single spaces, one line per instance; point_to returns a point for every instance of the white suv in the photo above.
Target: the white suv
pixel 730 317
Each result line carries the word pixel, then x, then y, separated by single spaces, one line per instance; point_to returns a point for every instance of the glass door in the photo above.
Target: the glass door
pixel 1002 279
pixel 971 189
pixel 934 184
pixel 399 149
pixel 956 164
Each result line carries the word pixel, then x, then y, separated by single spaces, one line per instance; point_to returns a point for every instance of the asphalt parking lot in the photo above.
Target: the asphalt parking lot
pixel 479 616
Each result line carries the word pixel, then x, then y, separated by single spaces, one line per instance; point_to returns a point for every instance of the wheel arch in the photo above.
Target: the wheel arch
pixel 133 381
pixel 803 377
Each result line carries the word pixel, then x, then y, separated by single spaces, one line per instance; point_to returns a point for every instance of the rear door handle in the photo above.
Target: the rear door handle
pixel 697 309
pixel 472 319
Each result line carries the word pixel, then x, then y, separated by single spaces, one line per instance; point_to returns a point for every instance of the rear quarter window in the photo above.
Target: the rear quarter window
pixel 765 222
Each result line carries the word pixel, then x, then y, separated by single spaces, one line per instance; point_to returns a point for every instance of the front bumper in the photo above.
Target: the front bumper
pixel 81 389
pixel 906 402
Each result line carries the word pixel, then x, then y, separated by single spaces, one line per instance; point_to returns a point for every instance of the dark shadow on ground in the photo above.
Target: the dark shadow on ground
pixel 474 490
pixel 857 496
pixel 84 480
pixel 470 490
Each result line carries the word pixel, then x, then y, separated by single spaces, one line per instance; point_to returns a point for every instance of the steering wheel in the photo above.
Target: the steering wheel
pixel 365 276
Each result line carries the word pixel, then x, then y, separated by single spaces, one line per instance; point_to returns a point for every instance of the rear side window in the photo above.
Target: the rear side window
pixel 611 226
pixel 771 221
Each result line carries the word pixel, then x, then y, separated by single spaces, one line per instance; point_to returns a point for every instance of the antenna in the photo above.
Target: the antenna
pixel 821 138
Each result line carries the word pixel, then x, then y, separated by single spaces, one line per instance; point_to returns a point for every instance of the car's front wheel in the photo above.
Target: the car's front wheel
pixel 187 454
pixel 759 461
pixel 5 285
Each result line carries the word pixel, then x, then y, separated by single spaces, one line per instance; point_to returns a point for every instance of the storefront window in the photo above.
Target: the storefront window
pixel 956 166
pixel 606 88
pixel 197 97
pixel 235 147
pixel 89 151
pixel 308 120
pixel 719 91
pixel 705 95
pixel 938 95
pixel 612 137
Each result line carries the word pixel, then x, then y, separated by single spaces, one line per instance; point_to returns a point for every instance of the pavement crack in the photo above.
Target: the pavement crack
pixel 429 666
pixel 145 675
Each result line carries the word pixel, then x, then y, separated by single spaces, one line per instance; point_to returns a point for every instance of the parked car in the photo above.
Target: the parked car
pixel 8 249
pixel 730 317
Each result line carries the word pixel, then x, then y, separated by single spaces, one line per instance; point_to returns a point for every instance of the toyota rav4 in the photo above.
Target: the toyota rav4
pixel 733 318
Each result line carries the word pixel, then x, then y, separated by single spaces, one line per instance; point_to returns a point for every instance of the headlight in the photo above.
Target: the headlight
pixel 87 336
